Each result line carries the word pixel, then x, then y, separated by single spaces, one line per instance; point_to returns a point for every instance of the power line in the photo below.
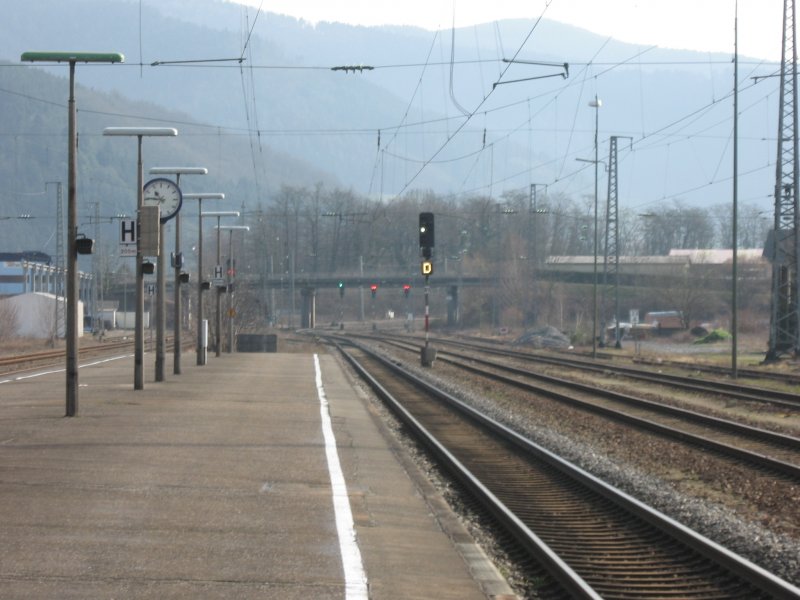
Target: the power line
pixel 405 114
pixel 477 108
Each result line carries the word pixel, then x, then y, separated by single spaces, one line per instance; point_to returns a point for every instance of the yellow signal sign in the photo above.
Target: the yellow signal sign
pixel 427 267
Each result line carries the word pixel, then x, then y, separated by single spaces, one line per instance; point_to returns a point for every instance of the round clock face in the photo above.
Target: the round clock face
pixel 164 193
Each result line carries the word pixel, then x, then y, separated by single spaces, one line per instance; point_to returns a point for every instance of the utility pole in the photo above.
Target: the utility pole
pixel 533 212
pixel 611 258
pixel 784 336
pixel 735 211
pixel 96 273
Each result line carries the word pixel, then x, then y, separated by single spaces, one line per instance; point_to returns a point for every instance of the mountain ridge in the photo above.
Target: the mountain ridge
pixel 285 96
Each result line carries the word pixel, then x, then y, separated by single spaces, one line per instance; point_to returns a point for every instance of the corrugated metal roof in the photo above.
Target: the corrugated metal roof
pixel 718 256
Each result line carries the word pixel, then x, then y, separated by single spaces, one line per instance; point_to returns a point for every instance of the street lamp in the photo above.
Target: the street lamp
pixel 71 332
pixel 139 133
pixel 201 355
pixel 218 284
pixel 596 104
pixel 177 262
pixel 230 229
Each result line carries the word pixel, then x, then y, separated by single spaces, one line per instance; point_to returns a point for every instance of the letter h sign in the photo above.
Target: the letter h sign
pixel 127 231
pixel 127 237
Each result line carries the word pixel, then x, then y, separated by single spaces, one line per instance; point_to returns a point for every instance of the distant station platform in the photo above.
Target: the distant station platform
pixel 259 475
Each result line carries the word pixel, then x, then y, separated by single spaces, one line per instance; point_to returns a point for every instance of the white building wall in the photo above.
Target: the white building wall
pixel 36 314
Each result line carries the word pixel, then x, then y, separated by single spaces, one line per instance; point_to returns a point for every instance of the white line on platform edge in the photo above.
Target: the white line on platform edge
pixel 355 579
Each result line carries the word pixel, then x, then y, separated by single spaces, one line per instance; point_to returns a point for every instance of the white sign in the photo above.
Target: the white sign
pixel 127 237
pixel 218 280
pixel 634 316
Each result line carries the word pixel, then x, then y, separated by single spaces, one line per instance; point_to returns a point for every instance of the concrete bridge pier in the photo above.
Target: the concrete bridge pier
pixel 308 316
pixel 453 307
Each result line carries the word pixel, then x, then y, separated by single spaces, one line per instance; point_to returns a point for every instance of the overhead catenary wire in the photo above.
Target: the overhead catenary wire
pixel 405 114
pixel 453 98
pixel 246 44
pixel 477 108
pixel 662 137
pixel 247 110
pixel 656 138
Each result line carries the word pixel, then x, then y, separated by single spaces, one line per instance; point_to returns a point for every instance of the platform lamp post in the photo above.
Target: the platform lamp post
pixel 596 104
pixel 201 355
pixel 71 330
pixel 230 229
pixel 595 162
pixel 139 133
pixel 177 261
pixel 218 284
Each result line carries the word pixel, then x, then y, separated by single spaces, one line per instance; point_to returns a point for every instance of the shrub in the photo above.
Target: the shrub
pixel 717 335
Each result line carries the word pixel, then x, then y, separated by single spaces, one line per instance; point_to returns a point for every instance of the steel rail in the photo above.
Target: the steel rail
pixel 726 388
pixel 732 562
pixel 756 458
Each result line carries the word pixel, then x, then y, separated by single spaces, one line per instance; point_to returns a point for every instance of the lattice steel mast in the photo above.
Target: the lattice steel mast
pixel 784 335
pixel 611 258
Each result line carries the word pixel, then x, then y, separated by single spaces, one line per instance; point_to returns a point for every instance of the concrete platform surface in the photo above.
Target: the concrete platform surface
pixel 215 484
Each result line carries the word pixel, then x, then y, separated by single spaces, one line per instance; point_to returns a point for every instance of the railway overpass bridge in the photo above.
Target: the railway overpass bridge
pixel 709 268
pixel 308 285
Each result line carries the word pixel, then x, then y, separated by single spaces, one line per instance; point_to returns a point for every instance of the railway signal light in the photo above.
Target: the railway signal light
pixel 427 267
pixel 426 233
pixel 148 268
pixel 341 289
pixel 374 289
pixel 406 289
pixel 84 245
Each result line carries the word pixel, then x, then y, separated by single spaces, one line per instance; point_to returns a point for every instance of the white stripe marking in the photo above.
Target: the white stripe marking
pixel 61 370
pixel 355 579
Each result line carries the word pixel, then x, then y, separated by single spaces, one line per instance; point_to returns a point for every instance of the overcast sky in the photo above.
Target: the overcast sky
pixel 705 25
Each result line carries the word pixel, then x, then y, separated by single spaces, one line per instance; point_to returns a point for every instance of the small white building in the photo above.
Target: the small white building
pixel 34 315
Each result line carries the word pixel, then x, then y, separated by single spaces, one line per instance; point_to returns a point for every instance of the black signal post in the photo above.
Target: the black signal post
pixel 426 243
pixel 374 290
pixel 341 305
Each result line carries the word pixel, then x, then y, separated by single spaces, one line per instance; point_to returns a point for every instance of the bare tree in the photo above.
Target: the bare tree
pixel 9 320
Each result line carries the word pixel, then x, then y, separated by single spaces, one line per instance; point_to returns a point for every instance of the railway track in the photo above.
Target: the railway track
pixel 47 355
pixel 775 452
pixel 717 371
pixel 593 540
pixel 732 390
pixel 34 360
pixel 743 373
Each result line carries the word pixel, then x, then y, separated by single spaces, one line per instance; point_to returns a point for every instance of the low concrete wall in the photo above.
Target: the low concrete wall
pixel 255 342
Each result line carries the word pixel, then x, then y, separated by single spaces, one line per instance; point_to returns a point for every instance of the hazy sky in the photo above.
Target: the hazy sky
pixel 705 25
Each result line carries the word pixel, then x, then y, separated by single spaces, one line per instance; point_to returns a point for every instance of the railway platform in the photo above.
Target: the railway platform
pixel 255 476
